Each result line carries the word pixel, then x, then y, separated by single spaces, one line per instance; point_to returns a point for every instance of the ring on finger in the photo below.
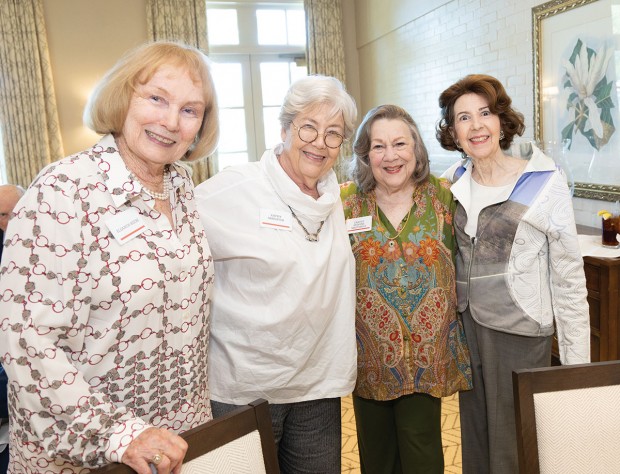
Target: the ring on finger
pixel 157 458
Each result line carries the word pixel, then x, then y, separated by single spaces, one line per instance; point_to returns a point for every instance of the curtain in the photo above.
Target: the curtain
pixel 325 52
pixel 324 38
pixel 186 21
pixel 28 116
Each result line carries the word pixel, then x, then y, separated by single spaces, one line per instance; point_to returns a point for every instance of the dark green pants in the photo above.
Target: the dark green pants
pixel 401 436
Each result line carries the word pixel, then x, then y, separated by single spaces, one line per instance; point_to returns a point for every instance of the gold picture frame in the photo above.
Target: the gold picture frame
pixel 541 15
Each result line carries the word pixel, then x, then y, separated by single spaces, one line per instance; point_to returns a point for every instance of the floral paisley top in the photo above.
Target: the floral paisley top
pixel 409 338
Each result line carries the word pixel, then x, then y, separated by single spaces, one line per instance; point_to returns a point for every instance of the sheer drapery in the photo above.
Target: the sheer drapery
pixel 325 52
pixel 325 42
pixel 186 21
pixel 178 20
pixel 28 116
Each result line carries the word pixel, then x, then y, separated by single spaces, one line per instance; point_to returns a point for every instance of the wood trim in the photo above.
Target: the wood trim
pixel 223 430
pixel 527 382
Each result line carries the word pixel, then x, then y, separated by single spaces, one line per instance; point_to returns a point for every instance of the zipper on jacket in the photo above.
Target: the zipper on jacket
pixel 471 262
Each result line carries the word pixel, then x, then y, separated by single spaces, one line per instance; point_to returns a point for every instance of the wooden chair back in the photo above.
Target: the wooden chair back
pixel 241 441
pixel 567 418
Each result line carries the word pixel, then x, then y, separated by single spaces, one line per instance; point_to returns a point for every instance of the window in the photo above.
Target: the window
pixel 258 49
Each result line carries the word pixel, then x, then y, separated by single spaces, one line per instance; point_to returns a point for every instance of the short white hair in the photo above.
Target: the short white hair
pixel 310 91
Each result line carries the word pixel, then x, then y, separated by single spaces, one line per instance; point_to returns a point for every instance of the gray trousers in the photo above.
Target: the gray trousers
pixel 488 433
pixel 308 434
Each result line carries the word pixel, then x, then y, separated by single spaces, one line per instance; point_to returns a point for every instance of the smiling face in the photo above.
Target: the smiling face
pixel 164 116
pixel 392 156
pixel 306 163
pixel 476 129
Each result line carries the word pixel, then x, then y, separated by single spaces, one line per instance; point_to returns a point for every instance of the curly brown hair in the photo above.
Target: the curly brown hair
pixel 512 122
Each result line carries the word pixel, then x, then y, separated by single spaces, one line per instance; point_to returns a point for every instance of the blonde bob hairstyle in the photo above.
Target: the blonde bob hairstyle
pixel 311 91
pixel 360 169
pixel 108 105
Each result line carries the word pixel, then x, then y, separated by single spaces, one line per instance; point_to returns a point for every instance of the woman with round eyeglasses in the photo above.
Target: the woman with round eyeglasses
pixel 284 299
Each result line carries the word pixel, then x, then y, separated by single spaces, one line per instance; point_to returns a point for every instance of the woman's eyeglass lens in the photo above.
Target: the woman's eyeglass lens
pixel 307 133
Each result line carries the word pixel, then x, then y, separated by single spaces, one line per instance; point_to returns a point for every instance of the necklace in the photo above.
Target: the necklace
pixel 402 227
pixel 154 194
pixel 309 237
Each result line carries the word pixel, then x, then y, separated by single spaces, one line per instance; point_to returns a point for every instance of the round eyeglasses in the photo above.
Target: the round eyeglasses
pixel 307 133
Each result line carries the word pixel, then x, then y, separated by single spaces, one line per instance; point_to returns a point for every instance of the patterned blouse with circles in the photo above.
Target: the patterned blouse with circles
pixel 101 339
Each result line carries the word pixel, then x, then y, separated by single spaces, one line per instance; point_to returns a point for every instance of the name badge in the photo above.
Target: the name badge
pixel 359 224
pixel 281 220
pixel 126 225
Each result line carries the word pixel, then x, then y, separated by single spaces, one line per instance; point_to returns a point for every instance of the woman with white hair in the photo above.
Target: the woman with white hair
pixel 283 325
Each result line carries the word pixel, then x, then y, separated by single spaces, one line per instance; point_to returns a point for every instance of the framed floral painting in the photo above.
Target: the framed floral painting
pixel 576 48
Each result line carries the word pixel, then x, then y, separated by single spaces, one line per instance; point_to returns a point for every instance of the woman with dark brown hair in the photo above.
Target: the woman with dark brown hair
pixel 518 266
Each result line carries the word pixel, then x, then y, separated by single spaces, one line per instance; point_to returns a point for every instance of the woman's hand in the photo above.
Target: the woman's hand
pixel 158 447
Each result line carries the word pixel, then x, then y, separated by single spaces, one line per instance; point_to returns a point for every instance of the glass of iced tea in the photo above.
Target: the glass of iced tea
pixel 611 229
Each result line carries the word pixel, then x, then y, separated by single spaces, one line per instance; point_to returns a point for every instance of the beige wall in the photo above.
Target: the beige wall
pixel 366 22
pixel 375 18
pixel 86 37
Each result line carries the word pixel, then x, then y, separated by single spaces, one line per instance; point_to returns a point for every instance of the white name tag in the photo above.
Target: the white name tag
pixel 126 225
pixel 281 220
pixel 359 224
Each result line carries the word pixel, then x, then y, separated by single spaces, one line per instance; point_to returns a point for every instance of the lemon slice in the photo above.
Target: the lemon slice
pixel 604 214
pixel 603 211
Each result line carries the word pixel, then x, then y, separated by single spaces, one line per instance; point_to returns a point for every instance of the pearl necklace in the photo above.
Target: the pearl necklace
pixel 309 237
pixel 154 194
